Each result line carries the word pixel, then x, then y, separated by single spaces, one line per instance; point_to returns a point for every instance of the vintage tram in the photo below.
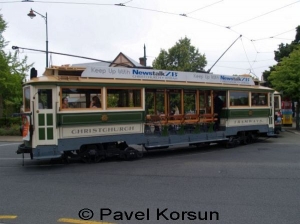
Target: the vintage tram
pixel 138 109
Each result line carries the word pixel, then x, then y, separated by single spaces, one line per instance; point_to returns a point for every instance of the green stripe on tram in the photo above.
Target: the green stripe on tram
pixel 239 113
pixel 100 118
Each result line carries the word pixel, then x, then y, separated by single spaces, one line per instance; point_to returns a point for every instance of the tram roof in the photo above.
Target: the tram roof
pixel 138 76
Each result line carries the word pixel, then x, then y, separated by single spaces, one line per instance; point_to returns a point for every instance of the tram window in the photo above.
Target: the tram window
pixel 189 98
pixel 27 99
pixel 276 102
pixel 174 101
pixel 222 96
pixel 45 98
pixel 124 98
pixel 80 98
pixel 259 99
pixel 160 102
pixel 205 101
pixel 149 102
pixel 239 98
pixel 155 101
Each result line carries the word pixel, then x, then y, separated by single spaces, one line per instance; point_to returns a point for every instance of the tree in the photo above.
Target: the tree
pixel 286 78
pixel 12 74
pixel 283 51
pixel 181 57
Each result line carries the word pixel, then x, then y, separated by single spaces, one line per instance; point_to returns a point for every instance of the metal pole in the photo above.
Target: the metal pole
pixel 145 59
pixel 32 15
pixel 46 41
pixel 223 54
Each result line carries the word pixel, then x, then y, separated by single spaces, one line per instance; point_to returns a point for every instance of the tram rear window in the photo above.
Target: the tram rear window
pixel 259 99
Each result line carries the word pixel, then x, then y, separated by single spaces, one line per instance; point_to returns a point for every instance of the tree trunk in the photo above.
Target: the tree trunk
pixel 297 114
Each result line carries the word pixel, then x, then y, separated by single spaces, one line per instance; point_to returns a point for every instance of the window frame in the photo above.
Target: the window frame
pixel 24 99
pixel 127 107
pixel 100 96
pixel 236 91
pixel 267 98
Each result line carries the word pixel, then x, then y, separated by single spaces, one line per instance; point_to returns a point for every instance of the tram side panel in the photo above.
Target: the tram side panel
pixel 234 121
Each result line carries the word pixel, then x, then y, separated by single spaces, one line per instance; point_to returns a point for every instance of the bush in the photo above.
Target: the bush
pixel 12 130
pixel 10 121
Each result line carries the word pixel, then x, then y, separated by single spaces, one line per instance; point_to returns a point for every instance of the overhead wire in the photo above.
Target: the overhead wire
pixel 251 69
pixel 204 7
pixel 264 14
pixel 171 13
pixel 244 61
pixel 274 35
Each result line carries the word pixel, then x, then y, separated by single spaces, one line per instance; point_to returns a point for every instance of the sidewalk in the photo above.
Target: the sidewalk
pixel 291 129
pixel 10 138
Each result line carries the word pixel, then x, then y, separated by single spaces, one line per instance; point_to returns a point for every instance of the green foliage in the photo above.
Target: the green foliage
pixel 12 74
pixel 181 57
pixel 112 100
pixel 10 121
pixel 181 130
pixel 266 74
pixel 286 76
pixel 13 130
pixel 165 130
pixel 197 129
pixel 283 51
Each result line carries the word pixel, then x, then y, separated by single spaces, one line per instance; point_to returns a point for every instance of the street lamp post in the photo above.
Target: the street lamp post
pixel 31 14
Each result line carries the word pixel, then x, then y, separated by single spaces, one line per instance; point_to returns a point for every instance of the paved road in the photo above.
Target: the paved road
pixel 256 183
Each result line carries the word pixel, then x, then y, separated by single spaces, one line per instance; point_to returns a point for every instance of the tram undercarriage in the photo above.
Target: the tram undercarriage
pixel 96 152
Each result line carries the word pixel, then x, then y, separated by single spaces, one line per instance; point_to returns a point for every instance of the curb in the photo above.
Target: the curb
pixel 10 138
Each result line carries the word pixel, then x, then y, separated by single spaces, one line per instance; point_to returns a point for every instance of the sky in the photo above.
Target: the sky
pixel 101 30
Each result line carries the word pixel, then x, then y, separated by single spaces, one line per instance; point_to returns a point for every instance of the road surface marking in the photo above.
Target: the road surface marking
pixel 8 216
pixel 79 221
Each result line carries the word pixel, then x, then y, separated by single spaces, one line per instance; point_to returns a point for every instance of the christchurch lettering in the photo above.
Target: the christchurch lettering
pixel 103 130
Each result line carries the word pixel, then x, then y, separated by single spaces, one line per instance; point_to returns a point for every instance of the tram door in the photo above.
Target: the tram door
pixel 45 119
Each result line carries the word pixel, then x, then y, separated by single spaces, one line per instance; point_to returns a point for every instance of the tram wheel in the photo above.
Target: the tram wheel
pixel 248 139
pixel 131 153
pixel 233 142
pixel 90 154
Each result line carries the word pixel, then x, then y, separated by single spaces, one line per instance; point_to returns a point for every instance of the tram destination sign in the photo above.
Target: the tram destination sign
pixel 163 75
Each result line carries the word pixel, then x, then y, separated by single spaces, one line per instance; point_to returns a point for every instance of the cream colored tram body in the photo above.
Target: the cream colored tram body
pixel 139 109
